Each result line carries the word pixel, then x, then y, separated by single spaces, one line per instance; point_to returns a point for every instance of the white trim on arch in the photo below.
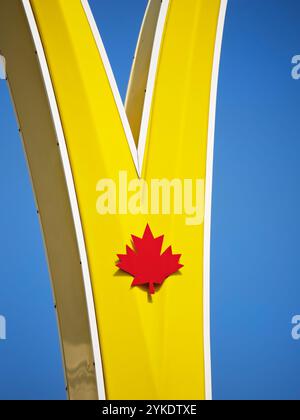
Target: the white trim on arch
pixel 208 198
pixel 72 196
pixel 151 81
pixel 113 83
pixel 2 68
pixel 137 153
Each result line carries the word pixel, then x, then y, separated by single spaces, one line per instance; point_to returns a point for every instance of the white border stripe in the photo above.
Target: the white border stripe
pixel 208 198
pixel 136 49
pixel 112 82
pixel 2 68
pixel 137 153
pixel 72 196
pixel 151 81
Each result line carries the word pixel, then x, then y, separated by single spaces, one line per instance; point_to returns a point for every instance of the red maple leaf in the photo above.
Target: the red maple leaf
pixel 146 263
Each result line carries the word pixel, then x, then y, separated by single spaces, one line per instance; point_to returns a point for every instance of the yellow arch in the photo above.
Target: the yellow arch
pixel 149 349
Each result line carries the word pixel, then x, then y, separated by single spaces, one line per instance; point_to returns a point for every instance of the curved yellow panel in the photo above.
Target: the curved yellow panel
pixel 151 348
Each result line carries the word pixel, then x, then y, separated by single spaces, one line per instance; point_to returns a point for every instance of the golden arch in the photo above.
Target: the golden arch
pixel 116 344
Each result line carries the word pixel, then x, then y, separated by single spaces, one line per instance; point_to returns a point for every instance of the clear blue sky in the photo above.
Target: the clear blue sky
pixel 256 204
pixel 255 224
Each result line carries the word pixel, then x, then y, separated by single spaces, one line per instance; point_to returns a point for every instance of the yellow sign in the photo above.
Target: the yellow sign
pixel 94 165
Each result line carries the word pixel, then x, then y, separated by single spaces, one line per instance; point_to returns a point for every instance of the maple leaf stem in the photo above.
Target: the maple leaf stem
pixel 151 289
